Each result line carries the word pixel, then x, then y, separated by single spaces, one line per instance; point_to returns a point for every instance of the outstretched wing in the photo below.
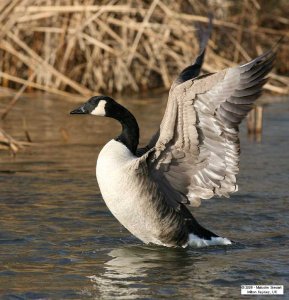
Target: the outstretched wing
pixel 188 73
pixel 197 149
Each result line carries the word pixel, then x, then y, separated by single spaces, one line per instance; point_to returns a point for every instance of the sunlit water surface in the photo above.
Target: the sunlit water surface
pixel 59 241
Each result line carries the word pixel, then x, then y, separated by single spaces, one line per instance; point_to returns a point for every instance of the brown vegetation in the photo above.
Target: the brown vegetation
pixel 7 142
pixel 80 47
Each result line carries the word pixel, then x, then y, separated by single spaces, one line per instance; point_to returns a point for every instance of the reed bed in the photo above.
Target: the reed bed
pixel 78 48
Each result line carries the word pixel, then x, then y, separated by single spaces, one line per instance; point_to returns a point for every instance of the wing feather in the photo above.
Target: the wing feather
pixel 196 151
pixel 188 73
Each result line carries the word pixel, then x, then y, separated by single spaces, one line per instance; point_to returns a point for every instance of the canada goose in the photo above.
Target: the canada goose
pixel 194 155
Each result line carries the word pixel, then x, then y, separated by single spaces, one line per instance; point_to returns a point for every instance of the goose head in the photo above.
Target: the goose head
pixel 105 106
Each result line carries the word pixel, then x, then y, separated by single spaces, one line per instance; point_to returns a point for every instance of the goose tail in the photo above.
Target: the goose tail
pixel 199 242
pixel 200 237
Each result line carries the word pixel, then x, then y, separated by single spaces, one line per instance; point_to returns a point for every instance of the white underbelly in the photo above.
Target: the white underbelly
pixel 117 182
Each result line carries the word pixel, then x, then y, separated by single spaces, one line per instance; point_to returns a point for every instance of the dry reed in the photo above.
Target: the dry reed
pixel 122 46
pixel 7 142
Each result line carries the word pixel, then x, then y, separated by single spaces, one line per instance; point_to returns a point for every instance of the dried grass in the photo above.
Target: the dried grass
pixel 123 46
pixel 7 142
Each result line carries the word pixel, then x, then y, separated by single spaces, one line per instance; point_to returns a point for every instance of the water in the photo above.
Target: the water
pixel 59 241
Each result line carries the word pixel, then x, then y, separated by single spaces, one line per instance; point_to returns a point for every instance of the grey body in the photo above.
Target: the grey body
pixel 136 200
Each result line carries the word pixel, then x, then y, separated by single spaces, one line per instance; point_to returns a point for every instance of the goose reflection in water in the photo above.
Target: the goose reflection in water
pixel 135 272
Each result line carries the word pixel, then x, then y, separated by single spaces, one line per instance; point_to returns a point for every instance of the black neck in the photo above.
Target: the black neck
pixel 130 130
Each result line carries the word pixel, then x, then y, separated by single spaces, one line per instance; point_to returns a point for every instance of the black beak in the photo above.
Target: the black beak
pixel 80 110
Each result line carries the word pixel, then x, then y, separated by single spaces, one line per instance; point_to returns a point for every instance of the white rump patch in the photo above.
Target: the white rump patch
pixel 100 109
pixel 197 242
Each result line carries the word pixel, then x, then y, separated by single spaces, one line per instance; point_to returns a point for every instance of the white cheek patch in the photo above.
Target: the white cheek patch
pixel 100 109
